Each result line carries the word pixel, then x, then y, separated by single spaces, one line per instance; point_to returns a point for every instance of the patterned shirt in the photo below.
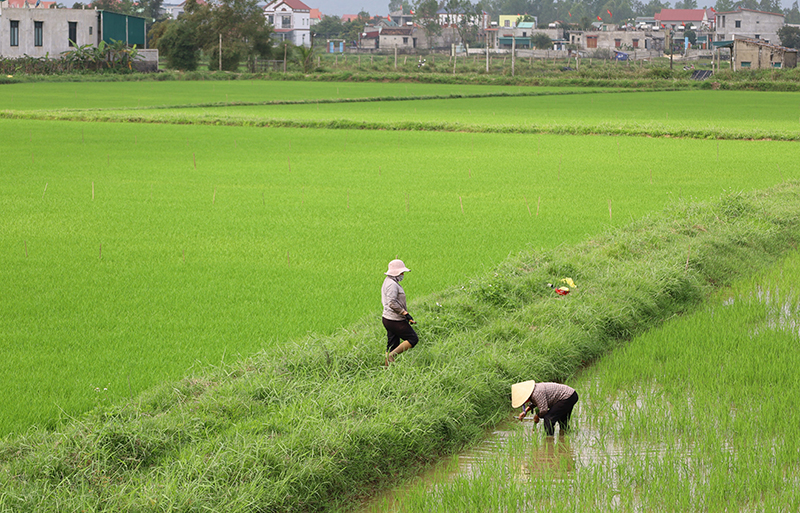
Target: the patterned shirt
pixel 547 394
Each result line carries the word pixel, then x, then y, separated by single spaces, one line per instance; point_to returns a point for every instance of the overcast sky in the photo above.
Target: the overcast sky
pixel 381 7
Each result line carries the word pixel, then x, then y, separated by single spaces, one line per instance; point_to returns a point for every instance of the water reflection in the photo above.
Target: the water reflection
pixel 538 457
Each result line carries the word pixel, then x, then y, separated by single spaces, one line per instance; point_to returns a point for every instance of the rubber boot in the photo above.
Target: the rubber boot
pixel 404 346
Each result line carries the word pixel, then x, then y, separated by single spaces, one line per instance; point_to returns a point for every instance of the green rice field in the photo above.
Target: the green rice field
pixel 108 95
pixel 155 231
pixel 137 251
pixel 697 415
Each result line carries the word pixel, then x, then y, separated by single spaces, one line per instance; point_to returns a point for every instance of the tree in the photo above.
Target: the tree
pixel 653 6
pixel 305 57
pixel 244 30
pixel 770 6
pixel 724 5
pixel 425 15
pixel 396 5
pixel 792 15
pixel 541 41
pixel 330 27
pixel 351 31
pixel 463 16
pixel 689 33
pixel 118 6
pixel 179 45
pixel 790 36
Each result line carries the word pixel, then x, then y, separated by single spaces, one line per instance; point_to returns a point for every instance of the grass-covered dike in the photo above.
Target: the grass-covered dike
pixel 317 423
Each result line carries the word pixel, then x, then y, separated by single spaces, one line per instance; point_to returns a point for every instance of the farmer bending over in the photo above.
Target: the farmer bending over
pixel 554 402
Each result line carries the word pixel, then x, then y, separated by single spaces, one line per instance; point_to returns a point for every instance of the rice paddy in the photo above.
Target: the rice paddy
pixel 135 254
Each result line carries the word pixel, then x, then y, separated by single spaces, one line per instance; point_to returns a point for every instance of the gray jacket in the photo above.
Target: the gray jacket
pixel 393 298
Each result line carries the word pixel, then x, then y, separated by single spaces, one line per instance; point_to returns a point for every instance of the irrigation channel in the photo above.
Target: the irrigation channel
pixel 558 456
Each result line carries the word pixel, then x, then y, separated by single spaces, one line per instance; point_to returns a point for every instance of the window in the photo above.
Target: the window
pixel 37 33
pixel 738 23
pixel 507 23
pixel 14 33
pixel 723 22
pixel 636 43
pixel 90 30
pixel 286 21
pixel 271 19
pixel 617 43
pixel 776 65
pixel 73 33
pixel 591 41
pixel 405 40
pixel 745 64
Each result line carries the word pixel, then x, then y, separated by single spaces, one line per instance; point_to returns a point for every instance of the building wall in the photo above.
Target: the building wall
pixel 283 17
pixel 752 24
pixel 749 55
pixel 55 31
pixel 391 41
pixel 623 40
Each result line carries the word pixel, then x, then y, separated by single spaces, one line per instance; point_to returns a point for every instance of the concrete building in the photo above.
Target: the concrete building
pixel 749 23
pixel 747 53
pixel 397 37
pixel 43 32
pixel 291 20
pixel 618 40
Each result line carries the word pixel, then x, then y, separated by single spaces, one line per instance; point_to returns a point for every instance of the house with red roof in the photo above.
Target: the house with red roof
pixel 291 21
pixel 315 16
pixel 686 18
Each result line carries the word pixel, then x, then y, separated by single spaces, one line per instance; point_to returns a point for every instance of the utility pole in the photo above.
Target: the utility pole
pixel 486 35
pixel 513 51
pixel 220 51
pixel 669 33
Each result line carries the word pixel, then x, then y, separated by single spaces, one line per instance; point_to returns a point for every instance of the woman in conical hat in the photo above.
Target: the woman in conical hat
pixel 553 403
pixel 396 319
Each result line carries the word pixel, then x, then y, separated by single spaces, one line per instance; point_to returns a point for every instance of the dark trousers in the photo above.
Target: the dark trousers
pixel 559 412
pixel 397 331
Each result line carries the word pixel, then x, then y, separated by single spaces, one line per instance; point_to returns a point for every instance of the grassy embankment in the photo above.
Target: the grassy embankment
pixel 696 415
pixel 318 422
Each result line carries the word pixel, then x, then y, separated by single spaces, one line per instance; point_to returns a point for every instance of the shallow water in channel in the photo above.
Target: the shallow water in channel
pixel 557 456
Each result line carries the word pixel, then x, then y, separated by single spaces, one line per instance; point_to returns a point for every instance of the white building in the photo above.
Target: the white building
pixel 749 23
pixel 173 10
pixel 291 20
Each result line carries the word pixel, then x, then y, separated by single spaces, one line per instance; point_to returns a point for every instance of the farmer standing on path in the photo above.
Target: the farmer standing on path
pixel 396 318
pixel 553 400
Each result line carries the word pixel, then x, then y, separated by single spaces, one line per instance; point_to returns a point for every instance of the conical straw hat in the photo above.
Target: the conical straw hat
pixel 520 392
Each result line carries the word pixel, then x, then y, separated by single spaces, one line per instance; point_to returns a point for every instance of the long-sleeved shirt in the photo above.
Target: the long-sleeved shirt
pixel 393 298
pixel 546 394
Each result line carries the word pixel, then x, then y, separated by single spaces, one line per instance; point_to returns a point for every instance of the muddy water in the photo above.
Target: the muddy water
pixel 554 455
pixel 557 456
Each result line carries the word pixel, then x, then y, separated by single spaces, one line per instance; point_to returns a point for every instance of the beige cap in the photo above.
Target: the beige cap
pixel 521 392
pixel 396 268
